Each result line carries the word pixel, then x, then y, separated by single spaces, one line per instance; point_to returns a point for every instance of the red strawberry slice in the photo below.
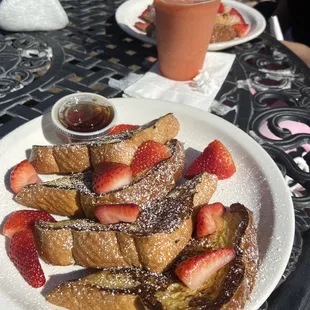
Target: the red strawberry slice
pixel 194 271
pixel 209 219
pixel 148 155
pixel 237 14
pixel 242 29
pixel 24 255
pixel 142 26
pixel 120 128
pixel 221 9
pixel 215 159
pixel 148 14
pixel 22 175
pixel 109 176
pixel 24 220
pixel 115 213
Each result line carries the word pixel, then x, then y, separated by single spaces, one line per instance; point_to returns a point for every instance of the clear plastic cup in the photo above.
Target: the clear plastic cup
pixel 82 117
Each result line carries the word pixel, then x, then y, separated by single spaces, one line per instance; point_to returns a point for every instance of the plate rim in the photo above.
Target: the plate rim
pixel 261 22
pixel 175 107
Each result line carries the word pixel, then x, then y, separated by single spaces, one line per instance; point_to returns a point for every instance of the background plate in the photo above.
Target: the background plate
pixel 258 184
pixel 128 13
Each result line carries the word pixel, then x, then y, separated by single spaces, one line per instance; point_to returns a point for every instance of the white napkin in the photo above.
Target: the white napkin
pixel 32 15
pixel 198 93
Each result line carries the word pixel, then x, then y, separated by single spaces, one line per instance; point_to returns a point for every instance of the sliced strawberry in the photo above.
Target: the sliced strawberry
pixel 242 29
pixel 120 128
pixel 142 26
pixel 205 224
pixel 24 255
pixel 109 176
pixel 115 213
pixel 216 208
pixel 148 155
pixel 221 9
pixel 24 220
pixel 236 13
pixel 22 175
pixel 148 14
pixel 194 271
pixel 209 219
pixel 215 159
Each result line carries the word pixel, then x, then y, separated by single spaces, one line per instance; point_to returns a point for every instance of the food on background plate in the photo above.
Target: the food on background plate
pixel 175 231
pixel 229 24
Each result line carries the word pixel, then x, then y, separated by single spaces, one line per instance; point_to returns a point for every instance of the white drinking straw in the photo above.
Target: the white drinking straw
pixel 275 28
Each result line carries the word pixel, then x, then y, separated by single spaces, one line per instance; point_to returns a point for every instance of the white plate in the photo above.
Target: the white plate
pixel 258 184
pixel 128 13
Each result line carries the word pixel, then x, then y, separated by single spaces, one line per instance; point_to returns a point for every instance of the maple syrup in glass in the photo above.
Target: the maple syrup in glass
pixel 85 116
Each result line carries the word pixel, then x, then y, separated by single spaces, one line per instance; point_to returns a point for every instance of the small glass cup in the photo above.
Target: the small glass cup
pixel 183 33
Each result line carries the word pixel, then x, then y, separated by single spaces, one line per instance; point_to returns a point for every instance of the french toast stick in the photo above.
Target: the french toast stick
pixel 162 229
pixel 78 157
pixel 133 288
pixel 71 195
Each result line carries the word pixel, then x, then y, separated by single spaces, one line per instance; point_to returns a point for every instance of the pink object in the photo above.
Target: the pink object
pixel 293 126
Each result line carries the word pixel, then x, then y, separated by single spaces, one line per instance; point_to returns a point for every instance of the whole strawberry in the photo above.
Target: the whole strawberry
pixel 215 159
pixel 24 255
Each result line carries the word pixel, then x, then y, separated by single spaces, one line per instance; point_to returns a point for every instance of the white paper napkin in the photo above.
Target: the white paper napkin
pixel 198 93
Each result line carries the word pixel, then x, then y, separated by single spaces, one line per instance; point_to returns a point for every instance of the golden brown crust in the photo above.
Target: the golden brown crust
pixel 109 249
pixel 72 202
pixel 245 279
pixel 250 260
pixel 102 246
pixel 73 158
pixel 55 200
pixel 91 298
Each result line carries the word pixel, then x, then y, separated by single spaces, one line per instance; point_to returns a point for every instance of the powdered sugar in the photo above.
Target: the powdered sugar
pixel 257 184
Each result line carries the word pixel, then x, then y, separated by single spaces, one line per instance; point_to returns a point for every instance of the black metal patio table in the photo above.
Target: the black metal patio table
pixel 267 83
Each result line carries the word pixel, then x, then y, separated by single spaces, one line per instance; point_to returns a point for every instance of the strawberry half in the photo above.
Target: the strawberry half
pixel 221 9
pixel 242 29
pixel 148 155
pixel 194 271
pixel 240 19
pixel 148 14
pixel 24 220
pixel 215 159
pixel 22 175
pixel 115 213
pixel 142 26
pixel 109 176
pixel 209 219
pixel 121 128
pixel 24 256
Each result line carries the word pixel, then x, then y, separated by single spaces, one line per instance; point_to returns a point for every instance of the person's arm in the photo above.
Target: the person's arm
pixel 301 50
